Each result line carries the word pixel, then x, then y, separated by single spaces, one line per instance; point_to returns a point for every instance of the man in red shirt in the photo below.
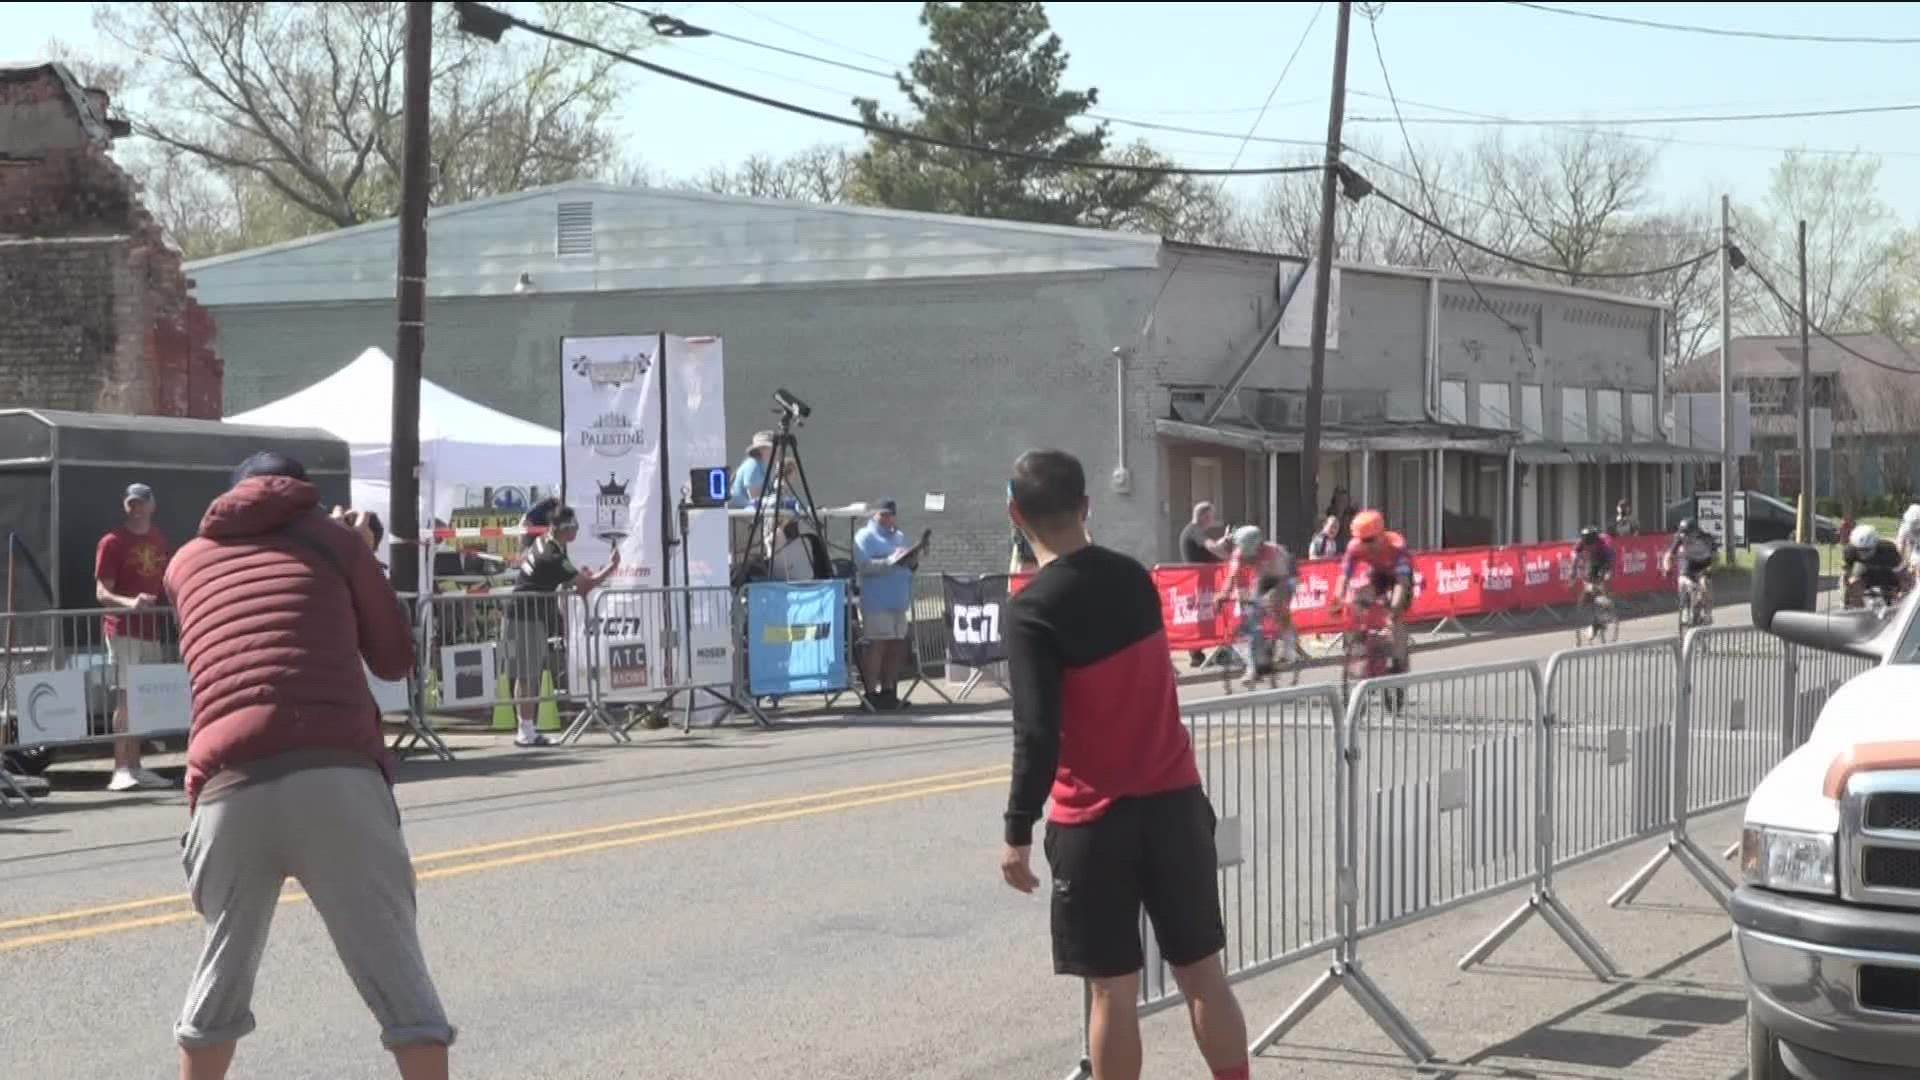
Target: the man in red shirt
pixel 1096 727
pixel 129 573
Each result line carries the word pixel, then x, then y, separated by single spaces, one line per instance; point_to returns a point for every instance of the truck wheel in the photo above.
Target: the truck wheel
pixel 1763 1052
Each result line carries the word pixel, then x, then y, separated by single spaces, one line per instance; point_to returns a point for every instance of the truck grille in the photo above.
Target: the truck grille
pixel 1897 810
pixel 1890 868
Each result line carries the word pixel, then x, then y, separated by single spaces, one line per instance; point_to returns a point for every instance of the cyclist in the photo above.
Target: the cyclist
pixel 1872 564
pixel 1593 560
pixel 1696 548
pixel 1261 578
pixel 1378 566
pixel 1909 535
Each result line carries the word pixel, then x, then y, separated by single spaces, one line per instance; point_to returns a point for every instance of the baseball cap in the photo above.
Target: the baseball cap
pixel 138 491
pixel 886 506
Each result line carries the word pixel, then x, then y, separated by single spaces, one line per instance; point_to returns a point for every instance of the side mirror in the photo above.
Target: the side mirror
pixel 1786 586
pixel 1786 577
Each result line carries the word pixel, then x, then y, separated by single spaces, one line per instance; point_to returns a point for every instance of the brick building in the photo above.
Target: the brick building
pixel 934 348
pixel 95 309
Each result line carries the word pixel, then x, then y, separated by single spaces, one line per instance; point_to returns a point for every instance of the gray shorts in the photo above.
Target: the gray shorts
pixel 337 831
pixel 528 643
pixel 878 624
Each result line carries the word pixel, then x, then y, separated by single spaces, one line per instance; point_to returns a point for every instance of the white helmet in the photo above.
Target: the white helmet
pixel 1248 538
pixel 1864 536
pixel 1912 516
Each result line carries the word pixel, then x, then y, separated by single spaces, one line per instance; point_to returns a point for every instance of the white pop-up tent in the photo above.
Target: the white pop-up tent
pixel 464 445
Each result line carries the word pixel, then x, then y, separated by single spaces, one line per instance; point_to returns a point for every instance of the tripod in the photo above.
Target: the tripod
pixel 786 448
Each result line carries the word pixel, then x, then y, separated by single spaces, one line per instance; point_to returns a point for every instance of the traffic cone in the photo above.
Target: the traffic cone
pixel 504 716
pixel 548 718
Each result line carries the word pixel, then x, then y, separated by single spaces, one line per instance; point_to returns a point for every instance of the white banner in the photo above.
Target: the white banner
pixel 617 455
pixel 158 698
pixel 696 439
pixel 610 403
pixel 52 706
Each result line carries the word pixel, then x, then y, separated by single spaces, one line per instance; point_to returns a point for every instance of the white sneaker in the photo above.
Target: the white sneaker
pixel 123 780
pixel 147 778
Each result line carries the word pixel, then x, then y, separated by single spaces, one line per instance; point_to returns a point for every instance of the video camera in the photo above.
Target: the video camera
pixel 793 407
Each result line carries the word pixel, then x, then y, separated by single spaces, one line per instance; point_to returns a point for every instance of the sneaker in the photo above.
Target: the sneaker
pixel 147 778
pixel 529 742
pixel 123 780
pixel 31 786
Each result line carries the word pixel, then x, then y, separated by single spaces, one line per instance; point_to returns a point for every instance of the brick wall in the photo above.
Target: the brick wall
pixel 96 313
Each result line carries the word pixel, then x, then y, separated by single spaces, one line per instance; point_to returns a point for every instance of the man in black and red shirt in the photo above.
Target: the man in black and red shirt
pixel 1096 724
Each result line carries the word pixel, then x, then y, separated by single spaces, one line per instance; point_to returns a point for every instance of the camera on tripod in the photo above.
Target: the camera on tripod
pixel 790 406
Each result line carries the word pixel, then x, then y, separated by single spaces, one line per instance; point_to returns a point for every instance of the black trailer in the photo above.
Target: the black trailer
pixel 63 474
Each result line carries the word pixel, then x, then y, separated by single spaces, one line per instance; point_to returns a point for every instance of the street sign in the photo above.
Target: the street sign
pixel 1706 510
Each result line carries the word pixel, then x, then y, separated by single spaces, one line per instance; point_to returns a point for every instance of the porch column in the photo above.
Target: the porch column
pixel 1513 505
pixel 1273 495
pixel 1366 477
pixel 1439 498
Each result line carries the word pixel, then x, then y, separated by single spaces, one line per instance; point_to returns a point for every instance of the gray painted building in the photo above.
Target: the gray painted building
pixel 933 349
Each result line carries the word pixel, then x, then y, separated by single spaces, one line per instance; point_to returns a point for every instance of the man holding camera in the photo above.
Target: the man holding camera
pixel 288 774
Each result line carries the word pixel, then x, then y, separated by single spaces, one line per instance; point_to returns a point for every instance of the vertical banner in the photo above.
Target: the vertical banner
pixel 696 438
pixel 610 409
pixel 974 608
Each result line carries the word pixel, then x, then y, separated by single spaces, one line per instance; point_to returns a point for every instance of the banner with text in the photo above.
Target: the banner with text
pixel 796 637
pixel 696 438
pixel 974 607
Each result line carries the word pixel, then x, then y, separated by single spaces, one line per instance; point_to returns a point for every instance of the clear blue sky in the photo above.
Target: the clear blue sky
pixel 1211 65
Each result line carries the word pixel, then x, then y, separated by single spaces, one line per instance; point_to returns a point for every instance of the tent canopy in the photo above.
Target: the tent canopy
pixel 464 445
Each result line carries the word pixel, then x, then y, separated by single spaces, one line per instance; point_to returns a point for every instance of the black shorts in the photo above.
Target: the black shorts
pixel 1156 852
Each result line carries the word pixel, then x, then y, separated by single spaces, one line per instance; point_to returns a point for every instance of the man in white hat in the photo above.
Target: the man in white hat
pixel 750 476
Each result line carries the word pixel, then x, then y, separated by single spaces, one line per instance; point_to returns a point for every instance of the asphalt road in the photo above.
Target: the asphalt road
pixel 822 901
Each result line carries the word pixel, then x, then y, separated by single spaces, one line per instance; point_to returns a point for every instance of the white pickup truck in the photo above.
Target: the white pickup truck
pixel 1827 915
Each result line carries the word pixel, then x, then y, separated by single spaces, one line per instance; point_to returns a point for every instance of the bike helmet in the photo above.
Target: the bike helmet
pixel 1864 537
pixel 1368 524
pixel 1912 516
pixel 1589 534
pixel 1688 525
pixel 1248 539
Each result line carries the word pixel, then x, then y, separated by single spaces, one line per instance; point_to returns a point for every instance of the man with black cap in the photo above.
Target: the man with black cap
pixel 129 572
pixel 886 594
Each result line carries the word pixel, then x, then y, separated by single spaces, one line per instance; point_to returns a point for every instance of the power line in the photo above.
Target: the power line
pixel 1642 121
pixel 808 34
pixel 505 20
pixel 1716 31
pixel 659 21
pixel 1284 69
pixel 1794 310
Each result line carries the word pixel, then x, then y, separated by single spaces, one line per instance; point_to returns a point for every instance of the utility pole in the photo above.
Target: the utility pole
pixel 1726 379
pixel 403 476
pixel 1805 521
pixel 1323 281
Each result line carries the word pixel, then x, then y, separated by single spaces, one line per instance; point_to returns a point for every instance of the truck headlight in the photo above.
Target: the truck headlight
pixel 1791 861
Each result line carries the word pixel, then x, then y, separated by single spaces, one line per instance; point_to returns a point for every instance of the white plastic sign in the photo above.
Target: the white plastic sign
pixel 52 707
pixel 389 697
pixel 159 698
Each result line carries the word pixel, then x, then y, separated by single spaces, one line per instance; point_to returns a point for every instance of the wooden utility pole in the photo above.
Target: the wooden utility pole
pixel 403 476
pixel 1726 381
pixel 1323 283
pixel 1805 521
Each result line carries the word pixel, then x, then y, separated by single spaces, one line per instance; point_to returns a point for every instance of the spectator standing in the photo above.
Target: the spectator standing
pixel 1623 520
pixel 287 770
pixel 534 615
pixel 1096 724
pixel 750 476
pixel 1325 543
pixel 886 594
pixel 129 572
pixel 1199 547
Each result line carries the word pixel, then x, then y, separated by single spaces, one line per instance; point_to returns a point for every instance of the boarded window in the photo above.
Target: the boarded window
pixel 1573 415
pixel 1532 423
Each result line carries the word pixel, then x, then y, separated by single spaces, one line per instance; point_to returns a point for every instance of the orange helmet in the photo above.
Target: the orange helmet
pixel 1368 524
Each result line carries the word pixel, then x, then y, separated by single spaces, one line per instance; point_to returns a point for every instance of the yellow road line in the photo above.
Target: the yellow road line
pixel 170 899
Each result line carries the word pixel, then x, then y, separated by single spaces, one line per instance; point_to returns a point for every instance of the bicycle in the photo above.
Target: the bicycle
pixel 1367 646
pixel 1604 626
pixel 1696 601
pixel 1260 633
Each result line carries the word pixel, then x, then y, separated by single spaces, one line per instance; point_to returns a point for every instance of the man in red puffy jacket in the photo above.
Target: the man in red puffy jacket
pixel 287 772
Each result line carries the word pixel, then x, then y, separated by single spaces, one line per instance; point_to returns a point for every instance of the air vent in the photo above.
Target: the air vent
pixel 1894 810
pixel 573 229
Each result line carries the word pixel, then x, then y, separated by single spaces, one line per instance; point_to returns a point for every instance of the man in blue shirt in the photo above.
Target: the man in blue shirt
pixel 886 594
pixel 750 476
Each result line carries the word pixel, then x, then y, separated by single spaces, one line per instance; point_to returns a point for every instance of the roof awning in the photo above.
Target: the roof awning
pixel 1612 454
pixel 1343 438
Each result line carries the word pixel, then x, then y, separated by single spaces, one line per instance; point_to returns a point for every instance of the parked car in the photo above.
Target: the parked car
pixel 1827 916
pixel 1768 519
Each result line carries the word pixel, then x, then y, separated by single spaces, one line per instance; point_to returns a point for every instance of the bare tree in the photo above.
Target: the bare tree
pixel 818 174
pixel 302 102
pixel 1886 412
pixel 1855 245
pixel 1575 196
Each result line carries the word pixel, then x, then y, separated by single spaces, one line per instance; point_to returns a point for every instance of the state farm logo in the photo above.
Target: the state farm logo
pixel 1454 579
pixel 1634 562
pixel 1499 577
pixel 1538 569
pixel 1314 592
pixel 1190 608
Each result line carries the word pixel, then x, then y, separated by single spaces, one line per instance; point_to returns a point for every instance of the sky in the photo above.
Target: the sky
pixel 1211 65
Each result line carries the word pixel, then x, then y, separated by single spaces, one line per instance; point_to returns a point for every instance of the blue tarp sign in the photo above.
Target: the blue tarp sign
pixel 796 637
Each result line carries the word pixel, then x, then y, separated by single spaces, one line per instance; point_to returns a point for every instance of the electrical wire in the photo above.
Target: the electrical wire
pixel 1717 31
pixel 509 20
pixel 1817 331
pixel 1379 56
pixel 659 19
pixel 1643 121
pixel 1284 69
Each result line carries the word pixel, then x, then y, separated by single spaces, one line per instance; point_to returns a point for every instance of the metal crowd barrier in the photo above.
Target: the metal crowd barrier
pixel 74 672
pixel 1441 789
pixel 648 646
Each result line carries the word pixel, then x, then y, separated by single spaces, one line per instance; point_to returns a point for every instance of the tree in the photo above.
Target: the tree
pixel 818 174
pixel 1857 251
pixel 1576 196
pixel 990 76
pixel 296 108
